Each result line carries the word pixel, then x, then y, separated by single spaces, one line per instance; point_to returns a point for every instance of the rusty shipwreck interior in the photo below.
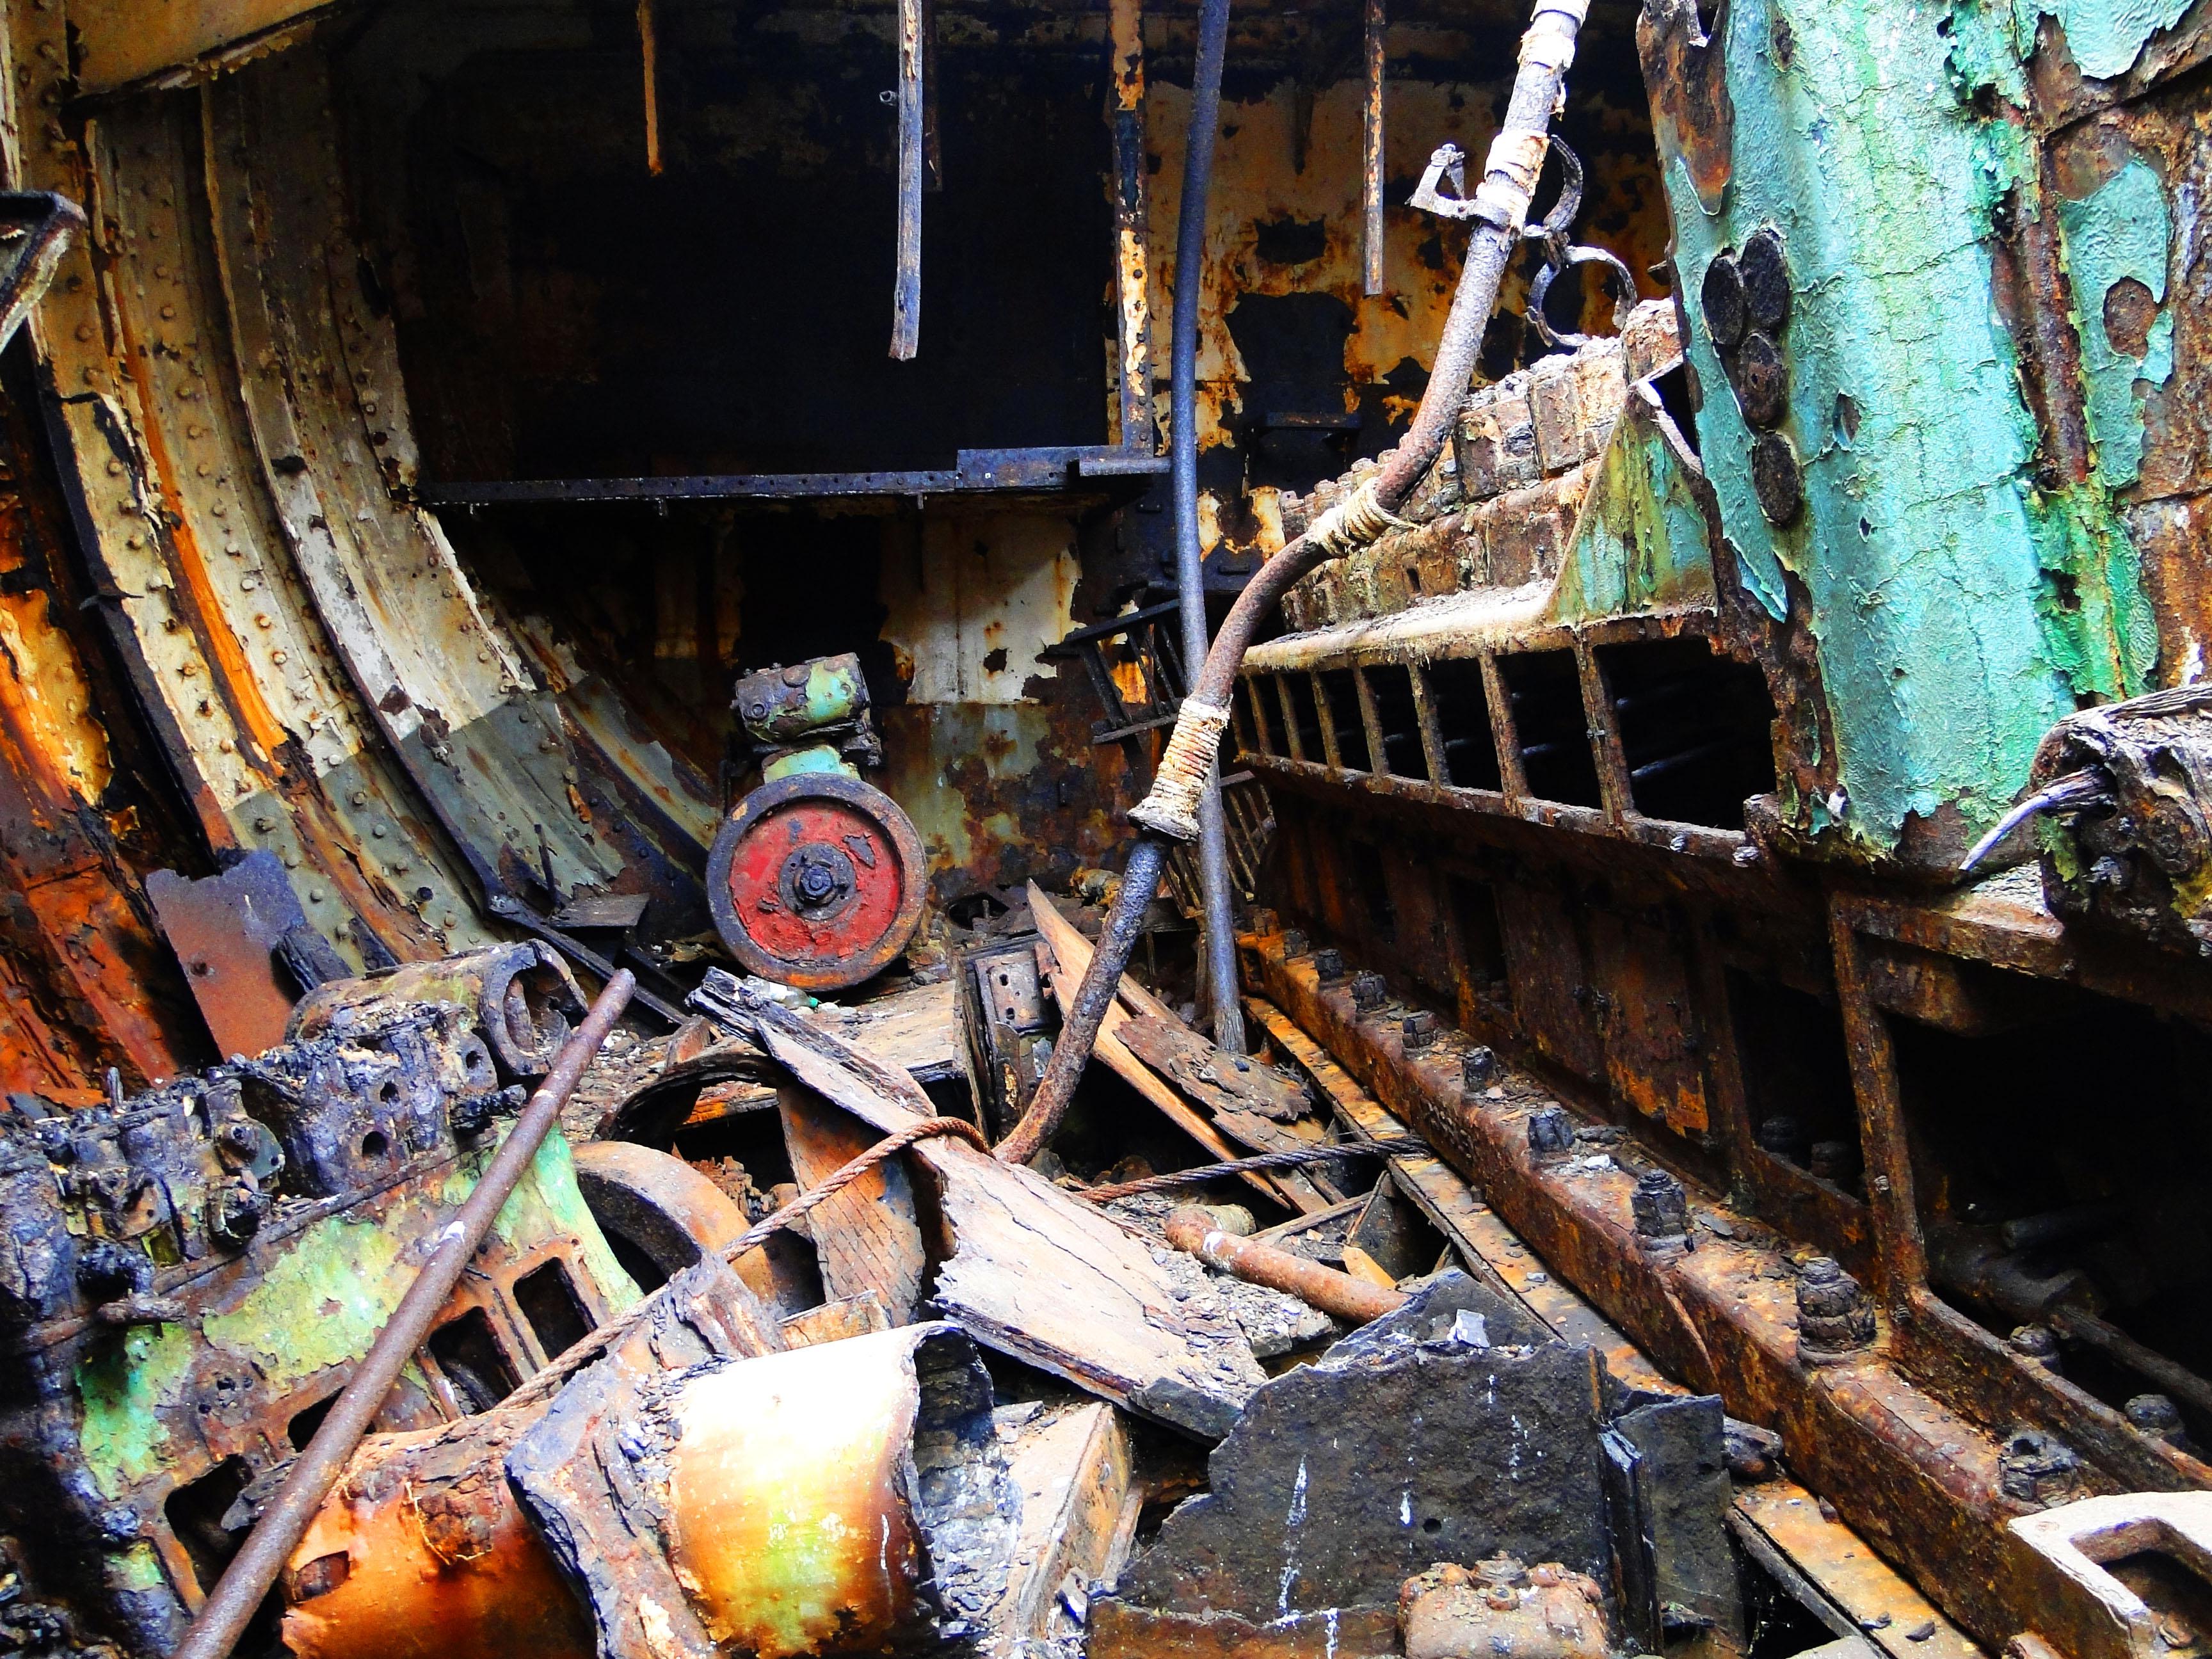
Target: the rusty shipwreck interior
pixel 655 1002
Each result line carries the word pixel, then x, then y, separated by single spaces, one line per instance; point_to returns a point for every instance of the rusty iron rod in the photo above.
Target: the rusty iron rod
pixel 1338 1295
pixel 1133 302
pixel 1223 1003
pixel 1517 151
pixel 1371 152
pixel 2148 1363
pixel 649 39
pixel 906 290
pixel 229 1607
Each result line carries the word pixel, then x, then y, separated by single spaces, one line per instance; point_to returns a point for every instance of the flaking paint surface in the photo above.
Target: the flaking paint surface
pixel 1916 546
pixel 2120 231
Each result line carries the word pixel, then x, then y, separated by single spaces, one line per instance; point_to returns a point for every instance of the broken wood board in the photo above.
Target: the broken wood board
pixel 918 1029
pixel 1071 1463
pixel 1035 1273
pixel 1071 958
pixel 833 1321
pixel 1872 1599
pixel 1492 1250
pixel 1052 922
pixel 868 1237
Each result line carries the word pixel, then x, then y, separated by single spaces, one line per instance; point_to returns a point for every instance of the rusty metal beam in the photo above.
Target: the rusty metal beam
pixel 1132 224
pixel 1371 161
pixel 913 24
pixel 122 43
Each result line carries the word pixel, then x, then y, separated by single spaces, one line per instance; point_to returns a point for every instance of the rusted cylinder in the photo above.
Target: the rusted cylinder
pixel 1338 1295
pixel 422 1553
pixel 849 1497
pixel 522 995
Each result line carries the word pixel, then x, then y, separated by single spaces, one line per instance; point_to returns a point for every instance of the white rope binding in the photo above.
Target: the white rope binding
pixel 1169 808
pixel 1357 521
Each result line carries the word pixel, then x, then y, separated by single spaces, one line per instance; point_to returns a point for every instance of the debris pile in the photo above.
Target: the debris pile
pixel 772 1353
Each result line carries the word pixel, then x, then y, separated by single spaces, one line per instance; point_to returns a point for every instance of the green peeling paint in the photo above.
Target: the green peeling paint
pixel 1640 542
pixel 2104 36
pixel 2120 231
pixel 818 759
pixel 318 1303
pixel 1935 576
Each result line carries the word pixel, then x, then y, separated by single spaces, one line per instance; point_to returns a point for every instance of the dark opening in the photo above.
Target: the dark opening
pixel 2025 1188
pixel 1797 1078
pixel 301 1428
pixel 548 1300
pixel 1546 693
pixel 1481 937
pixel 470 1355
pixel 2176 1592
pixel 1373 890
pixel 1305 717
pixel 374 1144
pixel 1342 691
pixel 1399 716
pixel 1462 706
pixel 1395 1232
pixel 194 1512
pixel 1696 727
pixel 1268 714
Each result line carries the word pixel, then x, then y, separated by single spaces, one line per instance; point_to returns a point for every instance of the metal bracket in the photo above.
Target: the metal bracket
pixel 1447 164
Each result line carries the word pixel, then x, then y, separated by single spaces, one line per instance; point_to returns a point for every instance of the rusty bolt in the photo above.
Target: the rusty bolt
pixel 1784 1137
pixel 1369 991
pixel 1478 1067
pixel 2035 1467
pixel 2036 1344
pixel 1419 1029
pixel 2157 1416
pixel 1662 1209
pixel 1295 943
pixel 1834 1160
pixel 1328 964
pixel 1834 1317
pixel 1551 1133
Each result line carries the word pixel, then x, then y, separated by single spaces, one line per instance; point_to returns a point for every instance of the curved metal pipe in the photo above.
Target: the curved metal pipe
pixel 1227 1011
pixel 1509 176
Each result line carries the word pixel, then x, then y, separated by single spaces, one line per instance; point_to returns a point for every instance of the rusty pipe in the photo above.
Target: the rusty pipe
pixel 231 1604
pixel 1224 1005
pixel 1509 176
pixel 1338 1295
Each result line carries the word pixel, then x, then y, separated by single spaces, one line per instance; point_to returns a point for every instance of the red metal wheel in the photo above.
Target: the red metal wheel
pixel 816 881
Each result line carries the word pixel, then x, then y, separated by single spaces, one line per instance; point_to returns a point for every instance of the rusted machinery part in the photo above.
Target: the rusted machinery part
pixel 232 1604
pixel 523 994
pixel 581 1353
pixel 816 881
pixel 656 1203
pixel 1537 89
pixel 422 1553
pixel 1338 1295
pixel 821 1443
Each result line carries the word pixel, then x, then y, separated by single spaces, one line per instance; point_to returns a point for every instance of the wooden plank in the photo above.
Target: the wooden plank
pixel 867 1238
pixel 1491 1249
pixel 1872 1597
pixel 1070 956
pixel 1072 1464
pixel 1035 1273
pixel 833 1321
pixel 917 1030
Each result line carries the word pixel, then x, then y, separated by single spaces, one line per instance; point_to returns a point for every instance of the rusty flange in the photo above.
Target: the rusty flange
pixel 815 881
